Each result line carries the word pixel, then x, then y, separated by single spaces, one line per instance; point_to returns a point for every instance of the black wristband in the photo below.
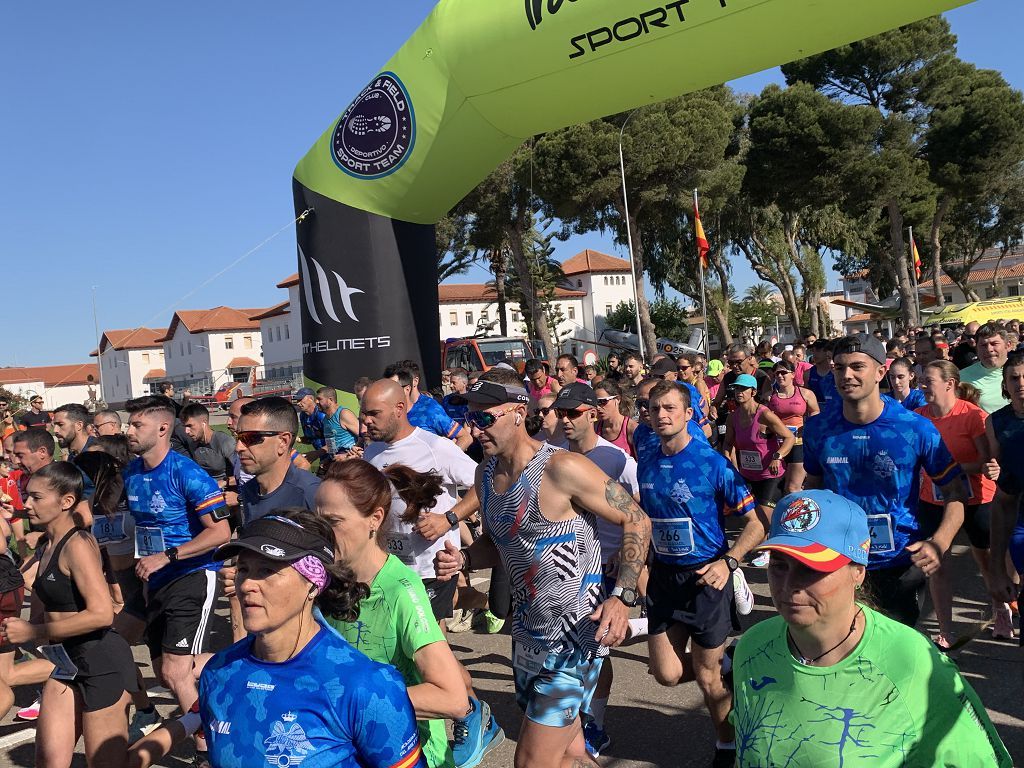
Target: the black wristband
pixel 466 561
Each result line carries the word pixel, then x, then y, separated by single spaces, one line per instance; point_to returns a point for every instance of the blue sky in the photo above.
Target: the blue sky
pixel 148 146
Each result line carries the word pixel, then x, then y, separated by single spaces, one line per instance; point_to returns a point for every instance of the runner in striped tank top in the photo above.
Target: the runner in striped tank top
pixel 562 624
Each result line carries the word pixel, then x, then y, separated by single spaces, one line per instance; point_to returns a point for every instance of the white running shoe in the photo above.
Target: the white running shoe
pixel 762 559
pixel 741 592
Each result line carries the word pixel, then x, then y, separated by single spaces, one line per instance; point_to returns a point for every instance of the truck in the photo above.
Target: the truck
pixel 483 353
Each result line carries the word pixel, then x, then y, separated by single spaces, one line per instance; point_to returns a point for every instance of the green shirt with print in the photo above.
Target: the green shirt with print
pixel 395 621
pixel 896 701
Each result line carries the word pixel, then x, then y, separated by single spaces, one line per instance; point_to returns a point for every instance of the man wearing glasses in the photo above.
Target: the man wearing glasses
pixel 739 359
pixel 553 560
pixel 106 423
pixel 36 417
pixel 180 519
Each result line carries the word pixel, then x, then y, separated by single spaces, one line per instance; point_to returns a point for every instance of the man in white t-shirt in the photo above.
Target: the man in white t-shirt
pixel 576 410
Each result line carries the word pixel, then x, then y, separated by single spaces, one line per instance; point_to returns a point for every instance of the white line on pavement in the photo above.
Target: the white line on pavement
pixel 13 739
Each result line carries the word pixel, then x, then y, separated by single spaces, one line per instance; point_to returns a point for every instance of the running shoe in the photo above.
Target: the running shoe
pixel 1002 622
pixel 741 592
pixel 724 758
pixel 31 712
pixel 596 738
pixel 761 561
pixel 492 624
pixel 142 723
pixel 475 735
pixel 461 620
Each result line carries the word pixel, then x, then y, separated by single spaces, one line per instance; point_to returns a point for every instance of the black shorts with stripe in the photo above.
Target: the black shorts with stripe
pixel 178 614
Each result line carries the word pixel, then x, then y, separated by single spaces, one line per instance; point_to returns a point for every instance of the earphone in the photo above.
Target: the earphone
pixel 517 419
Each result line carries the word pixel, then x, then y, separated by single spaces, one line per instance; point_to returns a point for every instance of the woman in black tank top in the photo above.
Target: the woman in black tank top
pixel 71 617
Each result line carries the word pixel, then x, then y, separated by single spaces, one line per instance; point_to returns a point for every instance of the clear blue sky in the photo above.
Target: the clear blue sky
pixel 147 146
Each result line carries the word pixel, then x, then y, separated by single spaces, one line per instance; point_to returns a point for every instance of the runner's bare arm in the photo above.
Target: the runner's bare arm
pixel 442 694
pixel 1004 518
pixel 481 554
pixel 753 533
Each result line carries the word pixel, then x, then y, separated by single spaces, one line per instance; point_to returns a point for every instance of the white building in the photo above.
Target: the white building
pixel 599 283
pixel 281 331
pixel 58 384
pixel 131 363
pixel 206 348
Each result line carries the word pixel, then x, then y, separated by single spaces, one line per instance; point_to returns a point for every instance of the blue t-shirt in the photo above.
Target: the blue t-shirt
pixel 328 707
pixel 172 497
pixel 298 489
pixel 456 406
pixel 1009 431
pixel 823 387
pixel 313 427
pixel 914 400
pixel 700 417
pixel 687 497
pixel 646 440
pixel 426 413
pixel 336 437
pixel 878 466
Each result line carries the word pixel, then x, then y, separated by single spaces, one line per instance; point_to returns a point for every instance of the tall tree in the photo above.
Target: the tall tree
pixel 886 73
pixel 455 252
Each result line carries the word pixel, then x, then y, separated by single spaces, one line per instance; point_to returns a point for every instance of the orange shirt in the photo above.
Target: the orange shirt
pixel 958 429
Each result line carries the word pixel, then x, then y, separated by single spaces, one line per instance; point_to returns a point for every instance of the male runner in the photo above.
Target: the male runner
pixel 632 369
pixel 71 428
pixel 177 509
pixel 987 374
pixel 567 371
pixel 424 411
pixel 106 423
pixel 872 451
pixel 312 420
pixel 341 427
pixel 687 488
pixel 212 450
pixel 819 378
pixel 562 624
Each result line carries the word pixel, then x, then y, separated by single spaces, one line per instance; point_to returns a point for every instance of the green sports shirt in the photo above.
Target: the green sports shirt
pixel 395 621
pixel 895 701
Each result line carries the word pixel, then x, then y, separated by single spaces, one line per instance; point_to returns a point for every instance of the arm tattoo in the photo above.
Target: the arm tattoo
pixel 636 534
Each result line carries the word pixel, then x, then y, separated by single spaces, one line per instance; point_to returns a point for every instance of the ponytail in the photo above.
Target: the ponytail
pixel 419 490
pixel 950 372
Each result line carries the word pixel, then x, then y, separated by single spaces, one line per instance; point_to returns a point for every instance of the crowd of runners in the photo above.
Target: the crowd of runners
pixel 608 505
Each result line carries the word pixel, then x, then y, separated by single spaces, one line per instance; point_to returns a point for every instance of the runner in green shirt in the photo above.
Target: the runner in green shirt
pixel 830 682
pixel 395 624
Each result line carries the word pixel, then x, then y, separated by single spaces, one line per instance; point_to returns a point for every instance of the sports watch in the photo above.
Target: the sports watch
pixel 627 595
pixel 731 562
pixel 172 554
pixel 452 518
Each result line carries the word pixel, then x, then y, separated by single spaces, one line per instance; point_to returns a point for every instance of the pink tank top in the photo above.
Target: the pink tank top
pixel 752 448
pixel 790 409
pixel 622 439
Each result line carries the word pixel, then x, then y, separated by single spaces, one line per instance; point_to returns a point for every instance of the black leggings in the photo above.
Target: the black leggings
pixel 499 596
pixel 899 592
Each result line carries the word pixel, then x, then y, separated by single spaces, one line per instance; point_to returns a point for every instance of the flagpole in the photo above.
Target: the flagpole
pixel 703 293
pixel 629 240
pixel 913 274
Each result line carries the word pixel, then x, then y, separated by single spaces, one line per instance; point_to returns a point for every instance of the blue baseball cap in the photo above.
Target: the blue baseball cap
pixel 820 529
pixel 303 392
pixel 745 380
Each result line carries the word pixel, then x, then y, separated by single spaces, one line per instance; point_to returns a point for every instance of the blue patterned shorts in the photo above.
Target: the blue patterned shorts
pixel 552 688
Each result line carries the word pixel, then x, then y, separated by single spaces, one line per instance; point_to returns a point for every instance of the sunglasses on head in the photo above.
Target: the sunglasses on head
pixel 255 436
pixel 484 419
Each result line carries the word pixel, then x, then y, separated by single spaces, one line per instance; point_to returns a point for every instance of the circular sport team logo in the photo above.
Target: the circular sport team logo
pixel 802 515
pixel 377 132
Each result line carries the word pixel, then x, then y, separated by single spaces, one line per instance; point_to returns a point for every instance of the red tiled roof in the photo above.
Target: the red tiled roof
pixel 216 319
pixel 156 373
pixel 289 281
pixel 981 276
pixel 131 338
pixel 861 318
pixel 593 261
pixel 467 292
pixel 275 311
pixel 242 362
pixel 52 375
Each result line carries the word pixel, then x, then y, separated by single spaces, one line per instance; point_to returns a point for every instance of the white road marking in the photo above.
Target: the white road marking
pixel 13 739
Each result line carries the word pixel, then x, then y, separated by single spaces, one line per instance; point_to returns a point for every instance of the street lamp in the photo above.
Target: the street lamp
pixel 629 240
pixel 99 352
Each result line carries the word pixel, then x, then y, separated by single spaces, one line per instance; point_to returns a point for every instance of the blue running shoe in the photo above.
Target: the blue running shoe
pixel 596 738
pixel 475 735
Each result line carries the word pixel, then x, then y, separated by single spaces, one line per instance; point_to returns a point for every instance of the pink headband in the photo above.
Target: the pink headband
pixel 314 571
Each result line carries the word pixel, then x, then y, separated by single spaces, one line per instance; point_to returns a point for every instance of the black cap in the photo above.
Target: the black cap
pixel 663 366
pixel 860 342
pixel 487 393
pixel 574 395
pixel 278 539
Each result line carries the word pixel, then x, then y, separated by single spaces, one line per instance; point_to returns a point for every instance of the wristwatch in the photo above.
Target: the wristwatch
pixel 627 595
pixel 452 518
pixel 731 562
pixel 172 554
pixel 776 456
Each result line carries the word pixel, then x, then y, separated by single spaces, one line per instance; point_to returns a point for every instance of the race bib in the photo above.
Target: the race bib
pixel 673 536
pixel 400 545
pixel 528 660
pixel 880 528
pixel 109 529
pixel 751 460
pixel 63 667
pixel 148 541
pixel 722 429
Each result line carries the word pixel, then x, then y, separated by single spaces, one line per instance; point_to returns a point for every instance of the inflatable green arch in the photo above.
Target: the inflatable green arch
pixel 472 83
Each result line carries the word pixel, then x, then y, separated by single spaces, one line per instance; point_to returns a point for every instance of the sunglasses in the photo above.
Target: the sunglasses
pixel 734 363
pixel 543 411
pixel 643 403
pixel 783 372
pixel 571 413
pixel 255 437
pixel 684 368
pixel 484 419
pixel 606 400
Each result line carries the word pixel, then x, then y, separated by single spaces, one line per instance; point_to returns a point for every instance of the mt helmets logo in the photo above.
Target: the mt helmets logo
pixel 802 515
pixel 376 134
pixel 317 278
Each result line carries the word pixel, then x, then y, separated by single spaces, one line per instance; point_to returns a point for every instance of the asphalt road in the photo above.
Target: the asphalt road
pixel 651 726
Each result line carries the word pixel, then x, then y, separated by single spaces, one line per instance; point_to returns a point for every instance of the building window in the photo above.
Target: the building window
pixel 948 298
pixel 1013 290
pixel 247 342
pixel 190 347
pixel 579 283
pixel 287 333
pixel 515 316
pixel 469 318
pixel 181 347
pixel 572 313
pixel 606 279
pixel 453 318
pixel 607 309
pixel 145 358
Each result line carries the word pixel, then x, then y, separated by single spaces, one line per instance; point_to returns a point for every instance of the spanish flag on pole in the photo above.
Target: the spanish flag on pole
pixel 916 257
pixel 702 241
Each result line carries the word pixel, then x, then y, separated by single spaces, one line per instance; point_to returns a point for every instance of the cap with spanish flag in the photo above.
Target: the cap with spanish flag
pixel 820 529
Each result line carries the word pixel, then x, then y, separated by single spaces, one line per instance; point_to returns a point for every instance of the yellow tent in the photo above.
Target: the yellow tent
pixel 981 311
